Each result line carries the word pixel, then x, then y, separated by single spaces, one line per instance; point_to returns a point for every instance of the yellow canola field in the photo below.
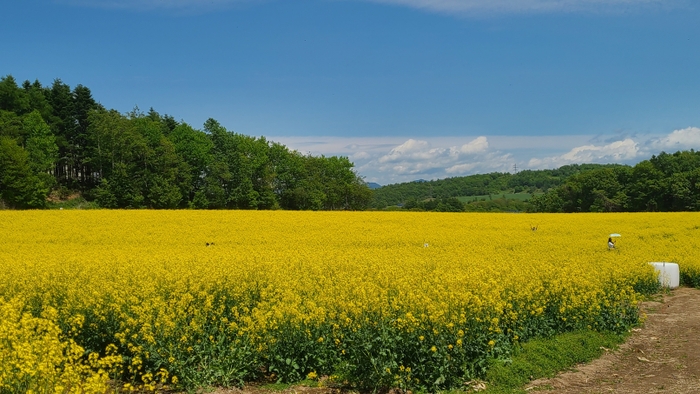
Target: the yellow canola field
pixel 373 299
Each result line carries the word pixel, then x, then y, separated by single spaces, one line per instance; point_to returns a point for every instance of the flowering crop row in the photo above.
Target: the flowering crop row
pixel 411 300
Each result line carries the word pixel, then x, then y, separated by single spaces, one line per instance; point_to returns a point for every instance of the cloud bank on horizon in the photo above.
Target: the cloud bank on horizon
pixel 441 6
pixel 387 160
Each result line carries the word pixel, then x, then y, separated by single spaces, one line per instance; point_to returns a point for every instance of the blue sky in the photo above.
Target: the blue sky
pixel 407 89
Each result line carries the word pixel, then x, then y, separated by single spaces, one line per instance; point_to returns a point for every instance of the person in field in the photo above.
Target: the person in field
pixel 611 244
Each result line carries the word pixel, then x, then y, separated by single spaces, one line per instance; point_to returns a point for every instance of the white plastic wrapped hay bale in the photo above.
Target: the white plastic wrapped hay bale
pixel 669 274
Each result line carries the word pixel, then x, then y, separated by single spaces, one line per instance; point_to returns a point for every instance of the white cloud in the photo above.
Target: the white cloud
pixel 480 144
pixel 360 156
pixel 615 152
pixel 395 159
pixel 683 139
pixel 412 150
pixel 414 159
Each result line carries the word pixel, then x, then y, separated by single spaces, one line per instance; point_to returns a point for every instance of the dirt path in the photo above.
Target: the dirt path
pixel 663 356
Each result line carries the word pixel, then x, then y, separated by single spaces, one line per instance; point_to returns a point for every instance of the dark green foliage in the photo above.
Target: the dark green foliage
pixel 445 204
pixel 37 99
pixel 376 357
pixel 299 351
pixel 497 204
pixel 19 186
pixel 55 137
pixel 528 181
pixel 690 277
pixel 12 98
pixel 11 126
pixel 381 354
pixel 195 149
pixel 488 203
pixel 41 146
pixel 667 182
pixel 75 203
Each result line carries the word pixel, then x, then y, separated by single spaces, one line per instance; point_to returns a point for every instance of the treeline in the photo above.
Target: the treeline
pixel 453 204
pixel 667 182
pixel 57 141
pixel 528 181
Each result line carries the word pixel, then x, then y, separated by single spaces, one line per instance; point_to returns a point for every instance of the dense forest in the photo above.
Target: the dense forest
pixel 666 182
pixel 57 142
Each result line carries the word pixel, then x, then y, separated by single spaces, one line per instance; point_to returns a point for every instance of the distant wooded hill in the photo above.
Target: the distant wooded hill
pixel 57 142
pixel 665 182
pixel 494 184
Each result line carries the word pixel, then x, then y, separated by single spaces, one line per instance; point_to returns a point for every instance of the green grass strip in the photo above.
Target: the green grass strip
pixel 544 358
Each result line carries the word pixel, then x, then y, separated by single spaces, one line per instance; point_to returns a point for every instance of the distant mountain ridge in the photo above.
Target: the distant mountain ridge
pixel 527 181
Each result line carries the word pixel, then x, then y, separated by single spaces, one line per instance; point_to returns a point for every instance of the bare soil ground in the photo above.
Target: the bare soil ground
pixel 662 356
